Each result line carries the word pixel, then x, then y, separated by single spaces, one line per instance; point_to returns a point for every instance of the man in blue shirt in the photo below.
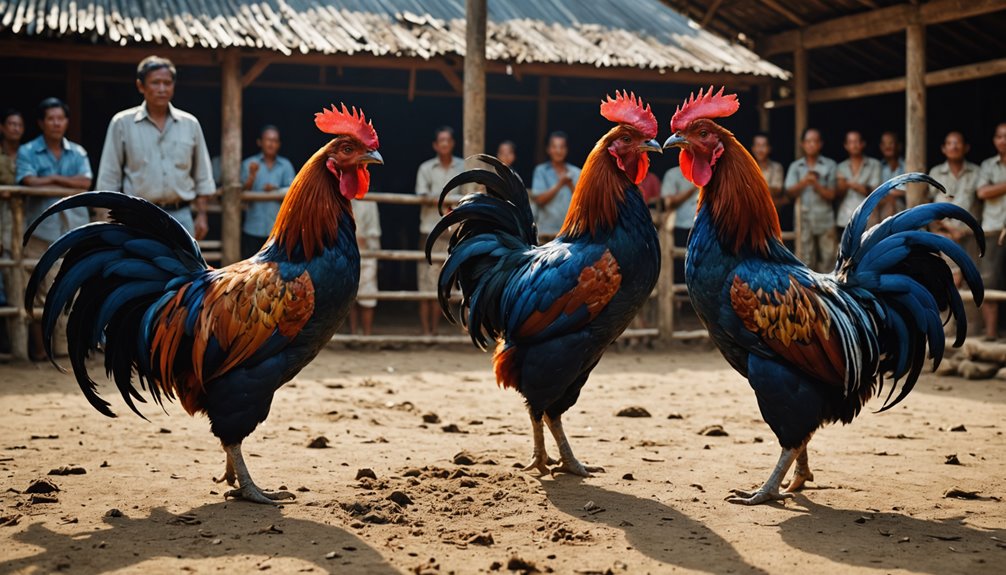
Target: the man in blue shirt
pixel 552 186
pixel 51 160
pixel 269 172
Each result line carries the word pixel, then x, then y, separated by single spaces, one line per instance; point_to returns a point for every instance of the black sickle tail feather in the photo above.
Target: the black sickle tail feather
pixel 110 275
pixel 900 266
pixel 491 228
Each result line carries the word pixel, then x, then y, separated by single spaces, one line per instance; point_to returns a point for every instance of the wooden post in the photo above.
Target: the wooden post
pixel 800 95
pixel 764 95
pixel 475 77
pixel 915 106
pixel 542 132
pixel 230 156
pixel 665 283
pixel 19 323
pixel 74 101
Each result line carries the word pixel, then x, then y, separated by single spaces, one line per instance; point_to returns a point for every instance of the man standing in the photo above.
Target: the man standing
pixel 264 172
pixel 51 160
pixel 812 179
pixel 681 196
pixel 960 178
pixel 552 186
pixel 431 177
pixel 774 175
pixel 11 128
pixel 857 177
pixel 157 152
pixel 992 191
pixel 891 164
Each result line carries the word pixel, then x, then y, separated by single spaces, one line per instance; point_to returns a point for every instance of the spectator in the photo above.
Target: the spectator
pixel 368 237
pixel 552 186
pixel 682 196
pixel 157 152
pixel 773 172
pixel 960 178
pixel 812 178
pixel 857 177
pixel 891 164
pixel 51 160
pixel 264 172
pixel 431 177
pixel 506 152
pixel 11 129
pixel 992 191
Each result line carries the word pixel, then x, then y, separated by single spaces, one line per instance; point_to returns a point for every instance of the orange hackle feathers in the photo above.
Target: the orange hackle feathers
pixel 309 215
pixel 627 109
pixel 347 122
pixel 706 105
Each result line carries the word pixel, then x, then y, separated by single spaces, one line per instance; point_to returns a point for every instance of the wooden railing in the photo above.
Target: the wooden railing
pixel 19 267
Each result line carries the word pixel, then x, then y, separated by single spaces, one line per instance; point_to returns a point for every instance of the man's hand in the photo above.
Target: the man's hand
pixel 253 169
pixel 269 188
pixel 202 226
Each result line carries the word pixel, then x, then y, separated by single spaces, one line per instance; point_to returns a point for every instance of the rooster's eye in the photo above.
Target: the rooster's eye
pixel 347 150
pixel 703 134
pixel 626 139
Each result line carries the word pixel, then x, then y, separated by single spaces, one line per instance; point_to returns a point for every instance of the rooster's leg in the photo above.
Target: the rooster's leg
pixel 568 461
pixel 801 474
pixel 229 477
pixel 540 459
pixel 770 490
pixel 248 490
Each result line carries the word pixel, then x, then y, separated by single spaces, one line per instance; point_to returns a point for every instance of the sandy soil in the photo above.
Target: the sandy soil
pixel 878 505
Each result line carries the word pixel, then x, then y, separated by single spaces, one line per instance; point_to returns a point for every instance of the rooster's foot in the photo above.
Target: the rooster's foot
pixel 251 492
pixel 229 477
pixel 540 463
pixel 756 498
pixel 800 476
pixel 574 467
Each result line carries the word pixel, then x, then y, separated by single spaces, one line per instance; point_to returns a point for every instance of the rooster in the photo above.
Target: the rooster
pixel 554 308
pixel 220 340
pixel 814 347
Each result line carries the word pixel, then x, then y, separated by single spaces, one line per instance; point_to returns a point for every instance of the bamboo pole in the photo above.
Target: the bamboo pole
pixel 475 78
pixel 230 156
pixel 19 324
pixel 800 96
pixel 915 107
pixel 665 282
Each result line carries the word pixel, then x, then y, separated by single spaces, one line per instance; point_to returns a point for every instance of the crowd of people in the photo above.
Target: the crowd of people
pixel 158 152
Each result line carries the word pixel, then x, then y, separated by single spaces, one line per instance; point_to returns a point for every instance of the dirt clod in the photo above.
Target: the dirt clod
pixel 633 411
pixel 320 442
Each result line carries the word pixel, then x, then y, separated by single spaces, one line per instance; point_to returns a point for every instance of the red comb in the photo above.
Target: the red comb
pixel 347 122
pixel 704 106
pixel 626 108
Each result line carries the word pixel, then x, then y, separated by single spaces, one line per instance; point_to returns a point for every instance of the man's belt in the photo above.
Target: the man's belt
pixel 173 206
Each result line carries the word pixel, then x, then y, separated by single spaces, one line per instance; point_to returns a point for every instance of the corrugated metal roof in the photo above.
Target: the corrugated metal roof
pixel 637 33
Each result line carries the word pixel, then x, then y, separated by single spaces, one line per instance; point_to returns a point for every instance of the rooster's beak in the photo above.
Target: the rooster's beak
pixel 677 140
pixel 371 157
pixel 651 146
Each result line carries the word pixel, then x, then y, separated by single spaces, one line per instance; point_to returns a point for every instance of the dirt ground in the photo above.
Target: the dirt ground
pixel 146 502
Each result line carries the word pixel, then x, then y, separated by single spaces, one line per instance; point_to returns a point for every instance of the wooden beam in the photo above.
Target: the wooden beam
pixel 230 156
pixel 786 12
pixel 74 99
pixel 255 71
pixel 411 91
pixel 452 77
pixel 764 95
pixel 893 85
pixel 915 109
pixel 800 97
pixel 710 13
pixel 49 50
pixel 474 106
pixel 542 128
pixel 880 22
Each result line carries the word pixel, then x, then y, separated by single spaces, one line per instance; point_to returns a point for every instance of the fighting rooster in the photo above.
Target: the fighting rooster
pixel 220 340
pixel 814 347
pixel 553 309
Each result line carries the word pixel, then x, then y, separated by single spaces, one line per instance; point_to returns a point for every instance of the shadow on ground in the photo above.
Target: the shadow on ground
pixel 253 535
pixel 656 530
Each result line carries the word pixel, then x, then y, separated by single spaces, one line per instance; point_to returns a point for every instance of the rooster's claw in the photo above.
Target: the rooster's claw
pixel 251 492
pixel 757 498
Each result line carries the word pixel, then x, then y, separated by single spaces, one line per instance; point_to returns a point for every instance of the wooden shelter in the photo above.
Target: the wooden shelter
pixel 851 49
